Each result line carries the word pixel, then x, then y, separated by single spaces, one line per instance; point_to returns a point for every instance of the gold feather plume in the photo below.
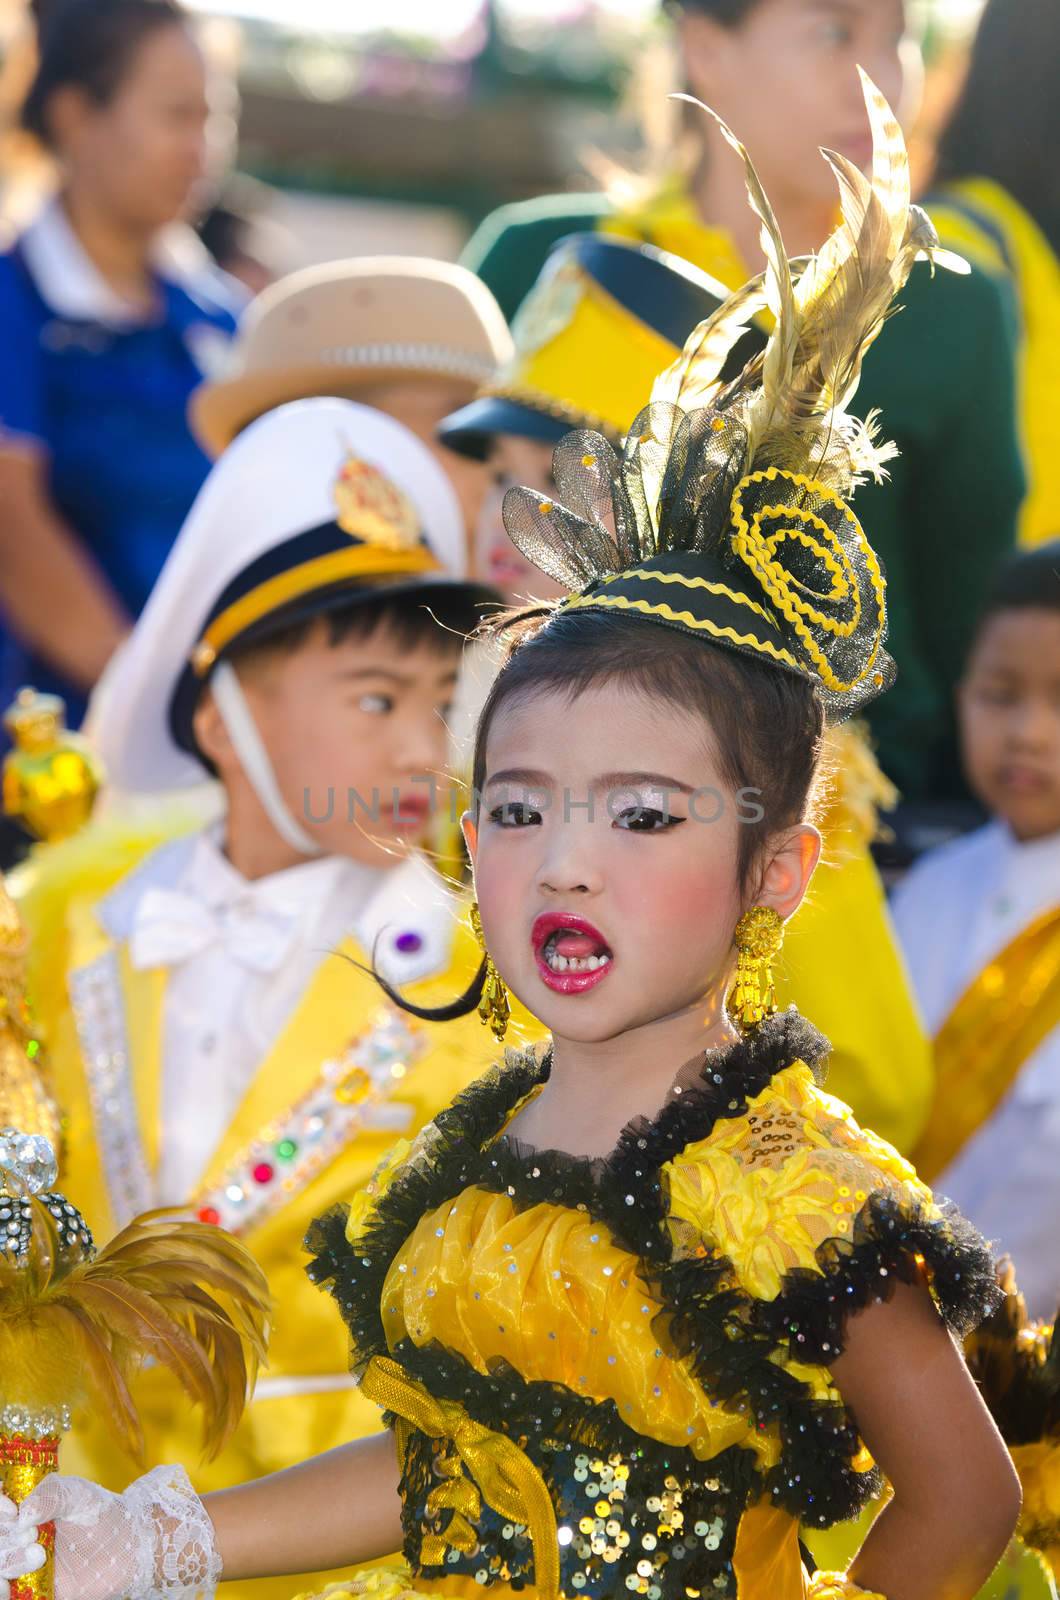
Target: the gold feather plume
pixel 1016 1365
pixel 791 397
pixel 75 1325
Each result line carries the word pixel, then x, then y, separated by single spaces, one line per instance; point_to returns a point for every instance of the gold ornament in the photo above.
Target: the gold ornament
pixel 76 1323
pixel 493 1008
pixel 51 777
pixel 372 508
pixel 759 935
pixel 25 1100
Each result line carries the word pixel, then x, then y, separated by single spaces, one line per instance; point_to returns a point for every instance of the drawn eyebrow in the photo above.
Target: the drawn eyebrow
pixel 528 776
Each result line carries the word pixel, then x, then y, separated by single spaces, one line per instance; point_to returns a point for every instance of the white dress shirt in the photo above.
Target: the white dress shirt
pixel 955 912
pixel 240 955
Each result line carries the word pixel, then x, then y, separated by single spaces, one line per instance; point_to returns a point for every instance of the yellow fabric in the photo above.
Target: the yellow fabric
pixel 308 1341
pixel 575 1312
pixel 507 1478
pixel 1038 1466
pixel 1035 270
pixel 770 1186
pixel 568 327
pixel 766 1559
pixel 1006 1012
pixel 842 967
pixel 670 221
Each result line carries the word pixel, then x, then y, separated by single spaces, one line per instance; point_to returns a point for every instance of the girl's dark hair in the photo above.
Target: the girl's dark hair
pixel 1028 581
pixel 89 45
pixel 1006 125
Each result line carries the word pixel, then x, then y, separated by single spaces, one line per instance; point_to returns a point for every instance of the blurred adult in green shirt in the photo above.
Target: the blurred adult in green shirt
pixel 783 74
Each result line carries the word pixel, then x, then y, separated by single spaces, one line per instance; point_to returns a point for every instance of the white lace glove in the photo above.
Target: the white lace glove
pixel 19 1551
pixel 154 1542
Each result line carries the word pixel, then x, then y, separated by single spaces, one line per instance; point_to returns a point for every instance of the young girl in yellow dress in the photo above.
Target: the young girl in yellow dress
pixel 624 1350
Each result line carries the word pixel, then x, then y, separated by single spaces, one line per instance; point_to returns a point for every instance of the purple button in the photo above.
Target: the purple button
pixel 408 943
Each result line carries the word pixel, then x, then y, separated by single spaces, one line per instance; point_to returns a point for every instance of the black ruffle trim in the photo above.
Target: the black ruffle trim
pixel 890 1241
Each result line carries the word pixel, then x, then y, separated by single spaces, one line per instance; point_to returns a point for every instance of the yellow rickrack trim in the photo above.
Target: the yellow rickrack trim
pixel 694 583
pixel 702 624
pixel 359 561
pixel 749 542
pixel 842 587
pixel 537 400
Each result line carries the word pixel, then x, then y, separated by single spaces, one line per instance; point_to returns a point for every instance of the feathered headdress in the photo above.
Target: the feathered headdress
pixel 726 514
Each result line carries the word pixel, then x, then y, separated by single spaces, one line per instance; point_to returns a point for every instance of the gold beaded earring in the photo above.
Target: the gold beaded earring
pixel 493 1008
pixel 758 937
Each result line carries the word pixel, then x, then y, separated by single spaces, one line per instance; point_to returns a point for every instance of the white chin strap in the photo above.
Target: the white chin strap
pixel 254 759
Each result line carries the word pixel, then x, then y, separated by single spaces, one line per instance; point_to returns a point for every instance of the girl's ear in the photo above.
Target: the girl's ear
pixel 469 828
pixel 787 876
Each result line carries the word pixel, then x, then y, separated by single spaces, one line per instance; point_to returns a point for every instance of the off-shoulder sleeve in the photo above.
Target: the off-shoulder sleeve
pixel 818 1217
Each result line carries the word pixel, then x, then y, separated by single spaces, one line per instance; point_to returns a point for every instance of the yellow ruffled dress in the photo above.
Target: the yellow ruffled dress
pixel 611 1378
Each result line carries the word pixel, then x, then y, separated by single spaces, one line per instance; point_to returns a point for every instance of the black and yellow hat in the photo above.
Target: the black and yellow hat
pixel 604 318
pixel 317 505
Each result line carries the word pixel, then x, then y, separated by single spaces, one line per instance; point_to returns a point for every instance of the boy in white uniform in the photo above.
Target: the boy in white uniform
pixel 210 1050
pixel 980 923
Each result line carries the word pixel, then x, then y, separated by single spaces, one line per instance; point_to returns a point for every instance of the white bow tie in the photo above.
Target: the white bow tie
pixel 171 927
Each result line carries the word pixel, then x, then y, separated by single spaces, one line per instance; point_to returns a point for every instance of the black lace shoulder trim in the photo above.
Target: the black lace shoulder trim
pixel 893 1243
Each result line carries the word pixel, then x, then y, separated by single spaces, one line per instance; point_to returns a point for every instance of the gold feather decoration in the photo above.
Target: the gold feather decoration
pixel 793 395
pixel 75 1324
pixel 1016 1365
pixel 751 475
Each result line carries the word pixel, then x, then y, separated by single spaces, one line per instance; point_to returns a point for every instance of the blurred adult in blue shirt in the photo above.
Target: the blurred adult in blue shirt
pixel 109 318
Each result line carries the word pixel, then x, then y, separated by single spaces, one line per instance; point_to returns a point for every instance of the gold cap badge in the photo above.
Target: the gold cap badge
pixel 372 508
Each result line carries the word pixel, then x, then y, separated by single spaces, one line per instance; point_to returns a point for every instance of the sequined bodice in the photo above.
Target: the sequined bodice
pixel 629 1360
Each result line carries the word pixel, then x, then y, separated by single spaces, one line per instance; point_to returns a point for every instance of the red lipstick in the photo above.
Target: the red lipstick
pixel 571 954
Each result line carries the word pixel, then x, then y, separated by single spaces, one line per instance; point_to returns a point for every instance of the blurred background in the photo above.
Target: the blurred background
pixel 359 135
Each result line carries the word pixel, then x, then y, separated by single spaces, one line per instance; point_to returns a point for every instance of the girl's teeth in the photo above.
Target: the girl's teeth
pixel 558 963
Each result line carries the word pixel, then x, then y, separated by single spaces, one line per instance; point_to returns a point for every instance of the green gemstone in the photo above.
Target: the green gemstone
pixel 286 1149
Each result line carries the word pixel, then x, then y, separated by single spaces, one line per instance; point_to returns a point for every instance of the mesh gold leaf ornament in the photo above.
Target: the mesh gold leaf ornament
pixel 726 514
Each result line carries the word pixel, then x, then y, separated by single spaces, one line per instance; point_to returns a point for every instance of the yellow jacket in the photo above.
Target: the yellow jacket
pixel 841 963
pixel 981 220
pixel 347 1077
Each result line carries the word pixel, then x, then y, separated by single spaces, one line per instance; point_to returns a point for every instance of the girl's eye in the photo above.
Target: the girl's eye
pixel 646 819
pixel 515 814
pixel 376 705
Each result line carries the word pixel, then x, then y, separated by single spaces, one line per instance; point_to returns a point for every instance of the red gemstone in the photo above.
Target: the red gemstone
pixel 264 1172
pixel 209 1214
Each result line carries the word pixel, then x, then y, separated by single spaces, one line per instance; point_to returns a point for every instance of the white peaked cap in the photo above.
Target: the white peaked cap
pixel 275 481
